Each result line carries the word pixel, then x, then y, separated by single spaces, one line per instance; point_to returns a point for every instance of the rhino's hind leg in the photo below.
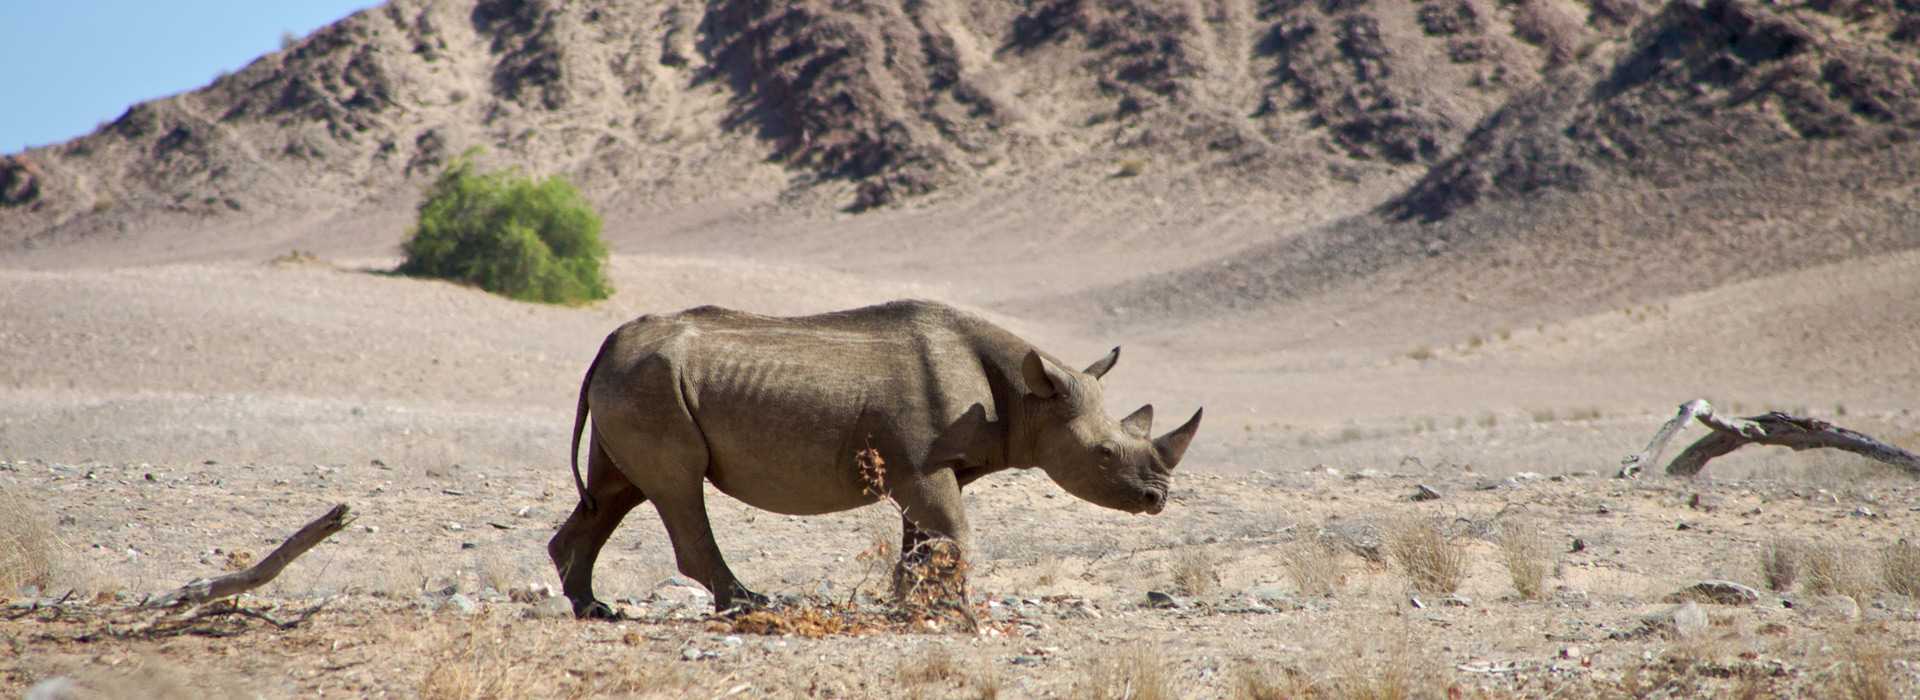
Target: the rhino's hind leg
pixel 698 554
pixel 577 544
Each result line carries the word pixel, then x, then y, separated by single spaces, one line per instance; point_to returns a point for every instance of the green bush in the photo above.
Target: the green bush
pixel 507 234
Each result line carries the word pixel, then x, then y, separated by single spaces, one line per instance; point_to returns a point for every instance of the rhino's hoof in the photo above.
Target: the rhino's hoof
pixel 742 601
pixel 596 610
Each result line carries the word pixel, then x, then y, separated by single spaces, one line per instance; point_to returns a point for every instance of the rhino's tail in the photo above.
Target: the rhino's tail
pixel 580 425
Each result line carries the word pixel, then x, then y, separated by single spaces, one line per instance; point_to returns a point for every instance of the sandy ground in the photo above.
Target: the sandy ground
pixel 158 418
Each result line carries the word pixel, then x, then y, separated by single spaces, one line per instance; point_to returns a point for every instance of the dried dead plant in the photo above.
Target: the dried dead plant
pixel 1829 569
pixel 1525 553
pixel 1135 674
pixel 934 666
pixel 466 669
pixel 28 547
pixel 1255 683
pixel 1432 561
pixel 1194 572
pixel 930 579
pixel 1866 672
pixel 1314 568
pixel 1900 568
pixel 1780 563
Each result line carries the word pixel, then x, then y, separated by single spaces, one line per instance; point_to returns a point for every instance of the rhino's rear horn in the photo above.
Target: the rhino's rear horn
pixel 1099 368
pixel 1173 445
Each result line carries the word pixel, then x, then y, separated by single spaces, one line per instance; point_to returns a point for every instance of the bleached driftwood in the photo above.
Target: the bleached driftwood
pixel 1775 428
pixel 203 590
pixel 1631 466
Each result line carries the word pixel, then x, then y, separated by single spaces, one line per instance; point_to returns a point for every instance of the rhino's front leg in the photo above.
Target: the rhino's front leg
pixel 933 509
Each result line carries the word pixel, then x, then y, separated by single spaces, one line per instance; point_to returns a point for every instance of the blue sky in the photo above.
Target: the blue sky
pixel 72 64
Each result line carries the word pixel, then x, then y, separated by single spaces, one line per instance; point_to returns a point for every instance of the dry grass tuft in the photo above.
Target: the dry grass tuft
pixel 1314 568
pixel 1255 683
pixel 1525 553
pixel 1831 569
pixel 1866 672
pixel 936 666
pixel 466 668
pixel 1433 562
pixel 1400 672
pixel 1137 674
pixel 1194 572
pixel 1780 563
pixel 28 546
pixel 1900 568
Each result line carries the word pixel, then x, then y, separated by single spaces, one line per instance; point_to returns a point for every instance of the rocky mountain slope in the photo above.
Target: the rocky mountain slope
pixel 827 105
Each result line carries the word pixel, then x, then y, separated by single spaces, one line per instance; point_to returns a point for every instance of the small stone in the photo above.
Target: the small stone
pixel 1684 620
pixel 461 604
pixel 454 527
pixel 550 609
pixel 1579 545
pixel 522 511
pixel 469 545
pixel 1157 599
pixel 732 640
pixel 453 492
pixel 690 654
pixel 1423 492
pixel 1830 607
pixel 1705 502
pixel 1273 596
pixel 1571 652
pixel 1720 592
pixel 1863 512
pixel 55 688
pixel 1457 601
pixel 1028 660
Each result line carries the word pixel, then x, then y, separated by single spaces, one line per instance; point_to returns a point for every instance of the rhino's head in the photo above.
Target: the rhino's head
pixel 1113 463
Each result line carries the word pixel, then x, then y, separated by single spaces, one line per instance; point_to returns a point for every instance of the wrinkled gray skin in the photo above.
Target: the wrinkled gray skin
pixel 773 411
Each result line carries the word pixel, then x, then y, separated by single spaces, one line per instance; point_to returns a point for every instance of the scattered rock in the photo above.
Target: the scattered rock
pixel 1684 620
pixel 1457 601
pixel 1162 600
pixel 1028 660
pixel 1863 512
pixel 550 609
pixel 1423 492
pixel 1830 607
pixel 690 654
pixel 55 688
pixel 1719 592
pixel 460 603
pixel 1579 545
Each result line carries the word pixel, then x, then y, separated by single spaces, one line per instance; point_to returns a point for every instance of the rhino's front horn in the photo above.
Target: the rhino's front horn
pixel 1173 445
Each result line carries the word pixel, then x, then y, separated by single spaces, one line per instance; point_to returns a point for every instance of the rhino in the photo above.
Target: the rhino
pixel 773 412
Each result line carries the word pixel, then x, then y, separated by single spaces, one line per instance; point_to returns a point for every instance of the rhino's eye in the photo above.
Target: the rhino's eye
pixel 1105 450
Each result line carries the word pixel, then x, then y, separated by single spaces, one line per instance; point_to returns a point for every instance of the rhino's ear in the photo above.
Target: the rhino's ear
pixel 1140 423
pixel 1043 378
pixel 1099 368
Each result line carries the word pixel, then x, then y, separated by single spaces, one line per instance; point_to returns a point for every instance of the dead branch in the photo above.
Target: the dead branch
pixel 1775 428
pixel 1631 466
pixel 203 590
